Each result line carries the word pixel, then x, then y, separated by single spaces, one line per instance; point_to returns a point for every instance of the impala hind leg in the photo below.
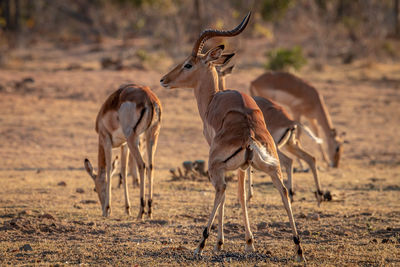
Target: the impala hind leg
pixel 249 247
pixel 218 180
pixel 133 144
pixel 250 188
pixel 151 145
pixel 276 176
pixel 124 157
pixel 288 163
pixel 133 170
pixel 293 146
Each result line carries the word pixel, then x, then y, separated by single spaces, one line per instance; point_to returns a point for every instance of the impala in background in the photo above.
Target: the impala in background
pixel 303 100
pixel 127 113
pixel 284 131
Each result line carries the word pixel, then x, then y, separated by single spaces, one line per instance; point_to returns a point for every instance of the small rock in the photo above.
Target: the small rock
pixel 302 215
pixel 88 201
pixel 314 216
pixel 62 183
pixel 26 247
pixel 80 190
pixel 47 216
pixel 262 225
pixel 160 222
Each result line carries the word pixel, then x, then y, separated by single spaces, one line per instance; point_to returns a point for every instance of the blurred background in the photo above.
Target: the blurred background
pixel 148 33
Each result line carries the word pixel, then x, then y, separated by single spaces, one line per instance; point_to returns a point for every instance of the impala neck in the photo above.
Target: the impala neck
pixel 205 90
pixel 324 120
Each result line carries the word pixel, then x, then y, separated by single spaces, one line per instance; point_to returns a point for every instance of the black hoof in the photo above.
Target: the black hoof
pixel 327 196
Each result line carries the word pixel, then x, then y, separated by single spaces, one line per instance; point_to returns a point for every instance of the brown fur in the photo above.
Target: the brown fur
pixel 233 125
pixel 128 92
pixel 303 100
pixel 283 128
pixel 147 107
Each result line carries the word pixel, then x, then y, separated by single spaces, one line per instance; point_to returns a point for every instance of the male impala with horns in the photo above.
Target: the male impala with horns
pixel 235 130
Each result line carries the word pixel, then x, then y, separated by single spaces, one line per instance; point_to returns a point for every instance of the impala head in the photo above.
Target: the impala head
pixel 335 148
pixel 100 179
pixel 189 72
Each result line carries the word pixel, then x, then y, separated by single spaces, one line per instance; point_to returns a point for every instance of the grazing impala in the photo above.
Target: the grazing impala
pixel 127 113
pixel 302 99
pixel 235 130
pixel 283 131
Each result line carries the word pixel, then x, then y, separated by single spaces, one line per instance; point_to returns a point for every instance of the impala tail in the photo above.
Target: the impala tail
pixel 310 133
pixel 262 152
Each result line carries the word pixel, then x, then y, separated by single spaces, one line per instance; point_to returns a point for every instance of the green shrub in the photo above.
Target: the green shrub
pixel 281 58
pixel 274 9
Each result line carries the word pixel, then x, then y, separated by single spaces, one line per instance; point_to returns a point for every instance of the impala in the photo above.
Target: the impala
pixel 127 113
pixel 283 131
pixel 235 130
pixel 303 100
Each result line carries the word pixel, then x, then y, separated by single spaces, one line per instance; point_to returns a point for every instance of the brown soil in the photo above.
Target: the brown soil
pixel 49 213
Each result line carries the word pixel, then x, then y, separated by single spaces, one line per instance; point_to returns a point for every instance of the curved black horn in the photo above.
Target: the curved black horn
pixel 207 34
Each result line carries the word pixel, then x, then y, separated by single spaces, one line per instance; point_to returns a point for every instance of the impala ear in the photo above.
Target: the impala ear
pixel 227 71
pixel 223 60
pixel 214 54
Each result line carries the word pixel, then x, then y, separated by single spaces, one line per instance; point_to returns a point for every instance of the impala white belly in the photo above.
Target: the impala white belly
pixel 278 134
pixel 285 98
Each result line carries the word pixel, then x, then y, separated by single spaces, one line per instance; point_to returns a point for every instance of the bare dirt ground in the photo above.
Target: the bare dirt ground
pixel 49 213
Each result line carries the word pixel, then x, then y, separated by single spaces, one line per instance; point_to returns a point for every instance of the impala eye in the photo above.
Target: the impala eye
pixel 187 66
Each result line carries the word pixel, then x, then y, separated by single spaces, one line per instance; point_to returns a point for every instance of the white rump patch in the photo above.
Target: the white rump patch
pixel 264 155
pixel 127 117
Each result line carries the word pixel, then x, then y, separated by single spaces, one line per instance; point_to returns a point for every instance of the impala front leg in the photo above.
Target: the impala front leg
pixel 134 171
pixel 108 155
pixel 124 156
pixel 151 145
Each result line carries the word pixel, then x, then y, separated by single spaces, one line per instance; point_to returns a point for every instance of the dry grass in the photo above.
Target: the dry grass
pixel 47 129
